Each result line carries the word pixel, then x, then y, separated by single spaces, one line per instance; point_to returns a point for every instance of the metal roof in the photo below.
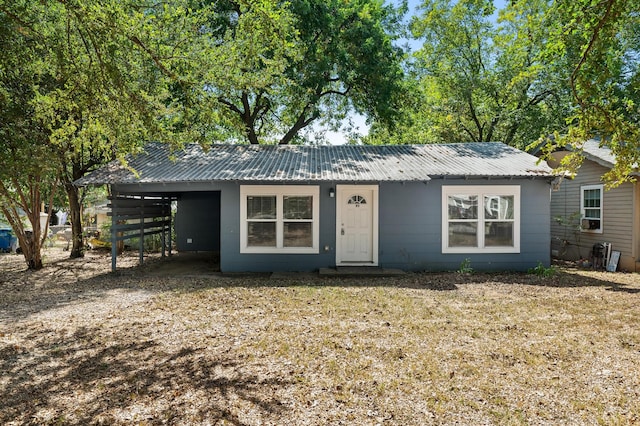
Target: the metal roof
pixel 600 154
pixel 304 163
pixel 595 151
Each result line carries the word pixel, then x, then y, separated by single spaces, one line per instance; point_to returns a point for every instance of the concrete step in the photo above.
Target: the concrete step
pixel 355 271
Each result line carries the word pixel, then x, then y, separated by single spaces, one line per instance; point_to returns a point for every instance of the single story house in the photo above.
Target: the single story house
pixel 585 213
pixel 302 208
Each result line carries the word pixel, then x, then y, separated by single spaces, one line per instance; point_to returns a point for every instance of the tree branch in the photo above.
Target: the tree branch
pixel 469 132
pixel 301 122
pixel 334 92
pixel 156 59
pixel 585 54
pixel 230 105
pixel 474 117
pixel 19 20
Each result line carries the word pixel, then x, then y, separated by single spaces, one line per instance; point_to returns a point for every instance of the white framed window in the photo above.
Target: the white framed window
pixel 481 219
pixel 279 219
pixel 591 208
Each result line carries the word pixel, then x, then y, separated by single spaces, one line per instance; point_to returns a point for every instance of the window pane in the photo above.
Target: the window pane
pixel 498 207
pixel 261 207
pixel 498 234
pixel 591 198
pixel 592 213
pixel 463 234
pixel 357 199
pixel 299 207
pixel 298 234
pixel 261 234
pixel 463 206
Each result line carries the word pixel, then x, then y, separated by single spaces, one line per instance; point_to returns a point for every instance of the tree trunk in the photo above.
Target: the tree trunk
pixel 75 217
pixel 33 251
pixel 28 198
pixel 29 240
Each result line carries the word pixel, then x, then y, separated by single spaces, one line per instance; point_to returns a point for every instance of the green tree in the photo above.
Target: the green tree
pixel 477 80
pixel 261 72
pixel 102 106
pixel 91 99
pixel 112 75
pixel 600 41
pixel 349 62
pixel 27 177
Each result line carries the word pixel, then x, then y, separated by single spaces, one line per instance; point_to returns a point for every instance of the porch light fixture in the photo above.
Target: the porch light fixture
pixel 332 192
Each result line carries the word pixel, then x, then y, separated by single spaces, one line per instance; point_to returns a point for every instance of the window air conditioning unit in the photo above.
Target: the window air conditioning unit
pixel 590 224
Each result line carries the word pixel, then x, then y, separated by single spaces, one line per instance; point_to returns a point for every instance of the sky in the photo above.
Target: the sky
pixel 338 138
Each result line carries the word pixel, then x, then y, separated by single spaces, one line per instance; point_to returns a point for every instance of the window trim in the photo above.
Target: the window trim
pixel 584 188
pixel 279 191
pixel 481 191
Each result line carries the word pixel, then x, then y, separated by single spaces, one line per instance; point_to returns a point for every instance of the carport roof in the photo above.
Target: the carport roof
pixel 307 163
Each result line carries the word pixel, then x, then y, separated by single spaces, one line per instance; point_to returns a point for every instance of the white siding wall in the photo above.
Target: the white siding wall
pixel 617 222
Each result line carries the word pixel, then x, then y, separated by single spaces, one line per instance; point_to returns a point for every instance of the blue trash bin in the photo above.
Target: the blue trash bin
pixel 5 240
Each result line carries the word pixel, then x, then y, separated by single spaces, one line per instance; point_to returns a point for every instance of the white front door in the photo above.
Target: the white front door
pixel 356 220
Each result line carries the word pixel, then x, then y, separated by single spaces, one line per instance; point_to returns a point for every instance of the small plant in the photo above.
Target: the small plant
pixel 571 224
pixel 465 267
pixel 542 271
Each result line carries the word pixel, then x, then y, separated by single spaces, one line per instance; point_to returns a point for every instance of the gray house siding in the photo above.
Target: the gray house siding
pixel 232 260
pixel 410 225
pixel 618 222
pixel 197 221
pixel 411 228
pixel 389 200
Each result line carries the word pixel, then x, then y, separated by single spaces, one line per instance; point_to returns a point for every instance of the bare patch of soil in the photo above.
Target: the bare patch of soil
pixel 173 344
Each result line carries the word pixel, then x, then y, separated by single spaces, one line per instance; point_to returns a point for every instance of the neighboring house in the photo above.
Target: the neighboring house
pixel 302 208
pixel 584 213
pixel 97 215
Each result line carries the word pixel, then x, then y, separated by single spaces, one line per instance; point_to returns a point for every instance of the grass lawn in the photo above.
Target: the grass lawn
pixel 79 346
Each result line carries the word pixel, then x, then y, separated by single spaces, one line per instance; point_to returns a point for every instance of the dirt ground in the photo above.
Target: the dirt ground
pixel 177 342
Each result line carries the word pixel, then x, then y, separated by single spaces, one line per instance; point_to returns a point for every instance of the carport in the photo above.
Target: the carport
pixel 139 216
